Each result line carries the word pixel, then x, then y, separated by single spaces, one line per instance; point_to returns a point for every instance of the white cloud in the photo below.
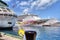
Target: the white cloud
pixel 30 1
pixel 23 3
pixel 17 2
pixel 42 4
pixel 37 4
pixel 33 4
pixel 46 3
pixel 7 0
pixel 26 10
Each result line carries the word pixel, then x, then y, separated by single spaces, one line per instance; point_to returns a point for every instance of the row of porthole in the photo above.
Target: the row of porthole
pixel 8 15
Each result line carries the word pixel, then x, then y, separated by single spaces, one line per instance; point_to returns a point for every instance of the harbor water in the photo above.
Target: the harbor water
pixel 46 33
pixel 43 33
pixel 49 33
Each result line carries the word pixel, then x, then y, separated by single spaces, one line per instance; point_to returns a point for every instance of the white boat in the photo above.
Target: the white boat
pixel 34 20
pixel 30 18
pixel 7 16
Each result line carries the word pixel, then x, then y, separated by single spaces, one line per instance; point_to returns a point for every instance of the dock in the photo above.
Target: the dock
pixel 9 37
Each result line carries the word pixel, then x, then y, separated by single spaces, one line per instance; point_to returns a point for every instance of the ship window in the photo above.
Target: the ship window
pixel 14 16
pixel 10 15
pixel 0 10
pixel 4 11
pixel 2 7
pixel 5 14
pixel 9 23
pixel 1 14
pixel 20 20
pixel 8 10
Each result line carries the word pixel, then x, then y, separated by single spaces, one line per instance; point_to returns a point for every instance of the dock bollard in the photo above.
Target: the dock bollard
pixel 30 35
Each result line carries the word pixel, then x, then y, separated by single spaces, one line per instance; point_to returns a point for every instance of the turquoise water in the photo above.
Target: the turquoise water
pixel 48 33
pixel 9 32
pixel 43 33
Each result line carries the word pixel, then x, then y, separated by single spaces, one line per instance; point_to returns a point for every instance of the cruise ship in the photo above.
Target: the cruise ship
pixel 7 16
pixel 35 20
pixel 28 21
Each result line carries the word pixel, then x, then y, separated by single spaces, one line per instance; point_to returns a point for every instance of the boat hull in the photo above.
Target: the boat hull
pixel 6 28
pixel 7 22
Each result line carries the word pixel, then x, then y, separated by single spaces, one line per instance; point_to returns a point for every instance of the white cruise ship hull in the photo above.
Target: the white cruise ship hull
pixel 7 23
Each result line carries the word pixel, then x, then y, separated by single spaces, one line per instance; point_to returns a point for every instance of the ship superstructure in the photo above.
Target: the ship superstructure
pixel 7 16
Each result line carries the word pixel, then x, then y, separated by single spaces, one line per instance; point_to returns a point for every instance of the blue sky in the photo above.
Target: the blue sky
pixel 43 8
